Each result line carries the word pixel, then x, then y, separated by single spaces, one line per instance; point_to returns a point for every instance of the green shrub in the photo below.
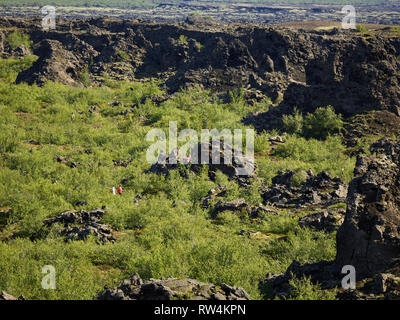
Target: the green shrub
pixel 299 177
pixel 293 124
pixel 304 289
pixel 395 29
pixel 199 45
pixel 261 143
pixel 182 39
pixel 360 28
pixel 10 68
pixel 322 122
pixel 16 39
pixel 299 154
pixel 84 77
pixel 319 124
pixel 302 245
pixel 164 233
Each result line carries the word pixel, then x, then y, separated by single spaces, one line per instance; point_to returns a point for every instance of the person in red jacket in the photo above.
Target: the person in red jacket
pixel 120 189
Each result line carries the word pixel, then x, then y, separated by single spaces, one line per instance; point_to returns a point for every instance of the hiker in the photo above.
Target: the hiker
pixel 120 189
pixel 188 158
pixel 113 191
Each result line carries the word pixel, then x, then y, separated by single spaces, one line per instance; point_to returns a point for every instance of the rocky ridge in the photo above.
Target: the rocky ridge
pixel 292 67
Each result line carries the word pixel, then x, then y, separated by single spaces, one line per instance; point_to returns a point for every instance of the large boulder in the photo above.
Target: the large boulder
pixel 55 63
pixel 79 225
pixel 238 168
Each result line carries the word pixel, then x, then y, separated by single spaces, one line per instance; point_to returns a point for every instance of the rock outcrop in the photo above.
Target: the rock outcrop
pixel 327 220
pixel 295 68
pixel 67 162
pixel 369 238
pixel 79 225
pixel 237 166
pixel 134 288
pixel 322 190
pixel 213 194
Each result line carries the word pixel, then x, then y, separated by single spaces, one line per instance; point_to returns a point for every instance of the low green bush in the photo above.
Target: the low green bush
pixel 16 39
pixel 322 123
pixel 319 124
pixel 293 124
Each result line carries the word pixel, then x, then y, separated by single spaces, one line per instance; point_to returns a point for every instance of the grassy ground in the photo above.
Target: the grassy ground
pixel 155 237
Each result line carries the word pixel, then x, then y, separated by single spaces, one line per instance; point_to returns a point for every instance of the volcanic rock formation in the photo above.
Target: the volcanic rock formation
pixel 79 225
pixel 218 157
pixel 294 68
pixel 316 190
pixel 134 288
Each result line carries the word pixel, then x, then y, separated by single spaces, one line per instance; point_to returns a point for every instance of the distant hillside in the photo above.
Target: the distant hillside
pixel 146 3
pixel 81 3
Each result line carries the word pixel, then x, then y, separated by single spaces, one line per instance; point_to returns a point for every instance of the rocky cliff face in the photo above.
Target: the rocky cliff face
pixel 296 68
pixel 369 238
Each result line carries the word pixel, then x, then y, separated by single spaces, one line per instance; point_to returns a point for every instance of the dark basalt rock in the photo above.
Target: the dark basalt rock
pixel 284 179
pixel 327 220
pixel 134 288
pixel 369 238
pixel 239 168
pixel 79 225
pixel 67 162
pixel 122 163
pixel 298 68
pixel 316 190
pixel 239 205
pixel 212 194
pixel 325 273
